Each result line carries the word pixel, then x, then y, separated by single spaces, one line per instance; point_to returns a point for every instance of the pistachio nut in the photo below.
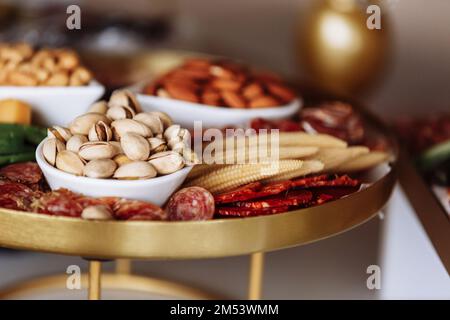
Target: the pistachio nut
pixel 122 126
pixel 167 162
pixel 51 148
pixel 135 170
pixel 152 121
pixel 102 168
pixel 165 118
pixel 100 132
pixel 74 143
pixel 82 124
pixel 175 131
pixel 70 162
pixel 135 147
pixel 125 98
pixel 60 133
pixel 190 157
pixel 117 147
pixel 98 107
pixel 176 144
pixel 120 112
pixel 95 150
pixel 121 159
pixel 157 145
pixel 99 212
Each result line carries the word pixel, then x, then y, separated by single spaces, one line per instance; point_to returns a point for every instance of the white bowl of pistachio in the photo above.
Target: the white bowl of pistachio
pixel 117 150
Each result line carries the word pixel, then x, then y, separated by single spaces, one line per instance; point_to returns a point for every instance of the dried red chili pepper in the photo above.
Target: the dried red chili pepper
pixel 248 212
pixel 293 199
pixel 249 194
pixel 330 181
pixel 231 196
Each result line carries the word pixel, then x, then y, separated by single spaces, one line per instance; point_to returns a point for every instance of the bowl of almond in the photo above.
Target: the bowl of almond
pixel 218 93
pixel 52 80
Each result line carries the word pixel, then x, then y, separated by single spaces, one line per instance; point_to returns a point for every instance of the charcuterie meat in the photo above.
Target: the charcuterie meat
pixel 192 203
pixel 137 210
pixel 27 173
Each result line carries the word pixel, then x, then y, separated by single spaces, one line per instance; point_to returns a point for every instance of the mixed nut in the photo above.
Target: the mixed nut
pixel 21 65
pixel 115 139
pixel 221 83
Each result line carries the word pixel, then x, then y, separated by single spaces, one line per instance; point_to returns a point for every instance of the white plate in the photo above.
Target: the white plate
pixel 185 113
pixel 55 105
pixel 156 190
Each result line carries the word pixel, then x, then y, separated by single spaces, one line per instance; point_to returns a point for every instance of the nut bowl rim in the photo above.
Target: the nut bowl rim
pixel 46 167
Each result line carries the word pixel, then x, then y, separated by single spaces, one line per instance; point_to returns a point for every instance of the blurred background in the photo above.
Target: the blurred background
pixel 404 68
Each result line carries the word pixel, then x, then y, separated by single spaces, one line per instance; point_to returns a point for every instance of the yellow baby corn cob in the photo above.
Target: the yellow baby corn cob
pixel 309 167
pixel 334 157
pixel 363 162
pixel 233 176
pixel 251 154
pixel 203 169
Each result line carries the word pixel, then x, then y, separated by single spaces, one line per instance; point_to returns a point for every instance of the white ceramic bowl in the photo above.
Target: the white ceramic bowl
pixel 55 105
pixel 156 190
pixel 185 113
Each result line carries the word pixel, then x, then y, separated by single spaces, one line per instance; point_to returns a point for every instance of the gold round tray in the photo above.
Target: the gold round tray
pixel 182 240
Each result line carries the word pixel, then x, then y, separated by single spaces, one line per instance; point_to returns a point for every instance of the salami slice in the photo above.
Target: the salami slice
pixel 16 196
pixel 137 210
pixel 61 202
pixel 27 173
pixel 193 203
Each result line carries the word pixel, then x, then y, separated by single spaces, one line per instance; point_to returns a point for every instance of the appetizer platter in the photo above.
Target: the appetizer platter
pixel 425 170
pixel 124 179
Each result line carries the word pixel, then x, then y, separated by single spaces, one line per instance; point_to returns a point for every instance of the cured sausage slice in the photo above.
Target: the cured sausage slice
pixel 193 203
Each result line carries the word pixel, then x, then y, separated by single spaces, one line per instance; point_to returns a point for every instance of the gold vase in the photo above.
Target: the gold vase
pixel 336 48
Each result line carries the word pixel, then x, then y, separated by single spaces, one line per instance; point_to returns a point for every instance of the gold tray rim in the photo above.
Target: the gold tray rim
pixel 192 239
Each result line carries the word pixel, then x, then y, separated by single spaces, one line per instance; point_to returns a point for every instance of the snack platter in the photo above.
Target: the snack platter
pixel 236 230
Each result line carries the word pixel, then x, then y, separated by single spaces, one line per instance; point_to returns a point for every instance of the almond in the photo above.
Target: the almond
pixel 211 97
pixel 177 91
pixel 221 72
pixel 280 91
pixel 264 102
pixel 252 91
pixel 233 99
pixel 226 84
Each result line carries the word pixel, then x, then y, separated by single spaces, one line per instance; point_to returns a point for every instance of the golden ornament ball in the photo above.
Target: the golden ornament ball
pixel 336 48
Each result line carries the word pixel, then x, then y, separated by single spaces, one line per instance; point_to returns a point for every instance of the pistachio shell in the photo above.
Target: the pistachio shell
pixel 99 212
pixel 135 146
pixel 82 124
pixel 103 168
pixel 157 145
pixel 190 157
pixel 117 147
pixel 152 121
pixel 51 148
pixel 96 150
pixel 120 112
pixel 74 143
pixel 167 162
pixel 175 131
pixel 100 132
pixel 165 118
pixel 120 127
pixel 62 134
pixel 98 107
pixel 69 162
pixel 121 159
pixel 125 98
pixel 135 170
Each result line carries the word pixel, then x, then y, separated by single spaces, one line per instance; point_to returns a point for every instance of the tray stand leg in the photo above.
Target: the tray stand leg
pixel 256 276
pixel 94 283
pixel 123 266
